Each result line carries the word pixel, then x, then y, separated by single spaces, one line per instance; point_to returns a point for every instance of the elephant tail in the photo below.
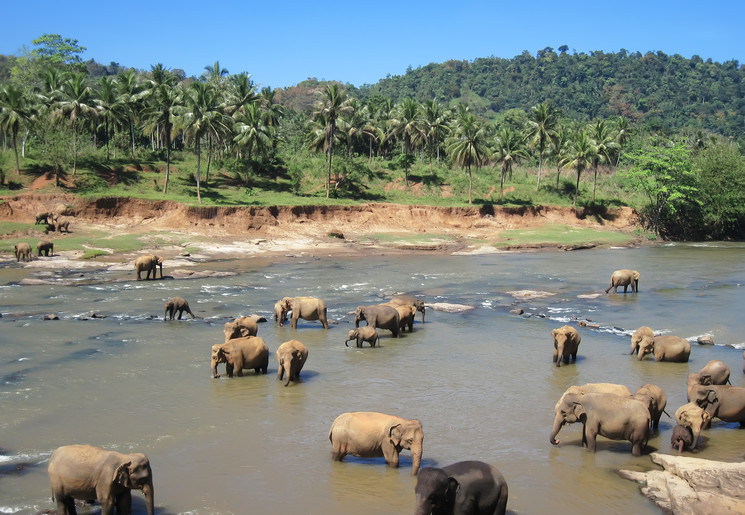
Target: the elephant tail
pixel 666 413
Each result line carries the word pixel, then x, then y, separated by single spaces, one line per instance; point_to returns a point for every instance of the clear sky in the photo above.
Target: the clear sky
pixel 286 41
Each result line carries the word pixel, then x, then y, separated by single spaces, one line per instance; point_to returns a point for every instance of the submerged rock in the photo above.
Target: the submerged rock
pixel 692 485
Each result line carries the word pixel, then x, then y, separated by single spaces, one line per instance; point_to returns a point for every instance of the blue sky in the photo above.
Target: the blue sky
pixel 284 42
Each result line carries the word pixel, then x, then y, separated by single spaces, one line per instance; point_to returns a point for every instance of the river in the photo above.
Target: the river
pixel 480 381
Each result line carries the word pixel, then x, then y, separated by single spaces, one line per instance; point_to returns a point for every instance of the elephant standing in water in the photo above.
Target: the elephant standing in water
pixel 87 473
pixel 371 435
pixel 280 313
pixel 566 343
pixel 177 304
pixel 714 372
pixel 363 334
pixel 463 487
pixel 307 308
pixel 723 401
pixel 240 328
pixel 148 263
pixel 655 399
pixel 384 317
pixel 240 353
pixel 624 278
pixel 409 300
pixel 291 356
pixel 694 418
pixel 638 336
pixel 665 348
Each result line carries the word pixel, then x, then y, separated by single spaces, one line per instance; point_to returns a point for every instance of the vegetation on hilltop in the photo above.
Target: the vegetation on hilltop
pixel 220 140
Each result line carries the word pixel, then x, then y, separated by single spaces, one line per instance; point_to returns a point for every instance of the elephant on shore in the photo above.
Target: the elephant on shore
pixel 239 354
pixel 22 250
pixel 714 372
pixel 60 225
pixel 665 348
pixel 655 400
pixel 45 247
pixel 693 417
pixel 638 336
pixel 307 308
pixel 409 300
pixel 363 334
pixel 566 343
pixel 176 304
pixel 608 415
pixel 624 278
pixel 291 356
pixel 280 313
pixel 43 218
pixel 371 435
pixel 90 473
pixel 148 263
pixel 725 402
pixel 240 328
pixel 383 317
pixel 464 487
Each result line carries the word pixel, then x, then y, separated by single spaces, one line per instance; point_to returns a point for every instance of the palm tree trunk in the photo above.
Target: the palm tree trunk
pixel 594 182
pixel 558 173
pixel 576 191
pixel 469 185
pixel 540 168
pixel 168 160
pixel 74 150
pixel 199 163
pixel 132 137
pixel 209 160
pixel 15 149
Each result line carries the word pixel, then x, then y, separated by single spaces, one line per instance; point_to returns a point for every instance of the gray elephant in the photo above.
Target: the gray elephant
pixel 682 438
pixel 665 348
pixel 280 313
pixel 694 417
pixel 291 356
pixel 307 308
pixel 22 250
pixel 566 343
pixel 176 304
pixel 383 317
pixel 241 327
pixel 466 487
pixel 45 247
pixel 363 334
pixel 86 472
pixel 43 218
pixel 655 399
pixel 148 263
pixel 725 402
pixel 608 415
pixel 61 224
pixel 624 278
pixel 615 389
pixel 638 336
pixel 714 372
pixel 406 314
pixel 370 435
pixel 239 354
pixel 409 300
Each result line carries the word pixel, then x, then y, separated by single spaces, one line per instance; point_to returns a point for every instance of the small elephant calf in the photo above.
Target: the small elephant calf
pixel 363 334
pixel 45 247
pixel 176 304
pixel 682 438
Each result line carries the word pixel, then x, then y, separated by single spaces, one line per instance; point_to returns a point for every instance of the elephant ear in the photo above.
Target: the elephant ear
pixel 121 474
pixel 705 380
pixel 450 490
pixel 579 410
pixel 711 396
pixel 395 432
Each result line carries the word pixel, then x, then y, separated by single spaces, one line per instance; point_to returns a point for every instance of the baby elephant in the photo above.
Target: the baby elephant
pixel 463 487
pixel 566 342
pixel 291 357
pixel 45 247
pixel 682 438
pixel 177 304
pixel 363 334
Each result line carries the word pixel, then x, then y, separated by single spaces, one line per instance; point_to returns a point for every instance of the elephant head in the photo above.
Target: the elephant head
pixel 351 336
pixel 693 417
pixel 646 346
pixel 638 335
pixel 219 355
pixel 435 492
pixel 568 411
pixel 682 438
pixel 136 474
pixel 408 435
pixel 706 398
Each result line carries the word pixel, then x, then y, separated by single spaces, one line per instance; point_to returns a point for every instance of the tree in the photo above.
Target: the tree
pixel 131 93
pixel 241 92
pixel 509 148
pixel 110 108
pixel 16 111
pixel 722 186
pixel 557 149
pixel 77 103
pixel 467 147
pixel 541 125
pixel 405 124
pixel 252 133
pixel 333 103
pixel 58 50
pixel 434 123
pixel 163 99
pixel 604 144
pixel 580 152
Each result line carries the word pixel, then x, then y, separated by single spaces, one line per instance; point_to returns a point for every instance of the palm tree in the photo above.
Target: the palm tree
pixel 201 116
pixel 406 124
pixel 164 98
pixel 242 92
pixel 215 73
pixel 557 148
pixel 77 103
pixel 131 92
pixel 580 152
pixel 273 112
pixel 604 145
pixel 509 149
pixel 371 130
pixel 333 103
pixel 110 108
pixel 16 111
pixel 252 133
pixel 467 147
pixel 623 133
pixel 434 127
pixel 541 125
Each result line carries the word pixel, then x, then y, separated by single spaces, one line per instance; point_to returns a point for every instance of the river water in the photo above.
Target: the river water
pixel 480 381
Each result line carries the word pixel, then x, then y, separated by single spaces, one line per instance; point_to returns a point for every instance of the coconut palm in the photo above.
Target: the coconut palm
pixel 110 109
pixel 541 125
pixel 131 93
pixel 332 104
pixel 252 133
pixel 580 152
pixel 273 112
pixel 467 147
pixel 241 92
pixel 406 124
pixel 163 99
pixel 623 133
pixel 16 111
pixel 604 144
pixel 509 149
pixel 76 104
pixel 434 123
pixel 557 149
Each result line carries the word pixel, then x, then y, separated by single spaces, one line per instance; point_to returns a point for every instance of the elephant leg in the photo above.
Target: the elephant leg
pixel 636 449
pixel 124 503
pixel 66 505
pixel 180 312
pixel 556 356
pixel 359 343
pixel 229 369
pixel 390 454
pixel 280 372
pixel 591 437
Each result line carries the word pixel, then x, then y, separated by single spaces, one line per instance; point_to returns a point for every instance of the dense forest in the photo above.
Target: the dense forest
pixel 665 129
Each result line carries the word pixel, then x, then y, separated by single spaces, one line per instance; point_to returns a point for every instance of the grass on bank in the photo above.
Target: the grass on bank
pixel 561 235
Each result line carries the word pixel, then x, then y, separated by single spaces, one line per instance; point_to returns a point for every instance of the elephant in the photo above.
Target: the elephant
pixel 637 337
pixel 682 438
pixel 241 353
pixel 307 308
pixel 149 263
pixel 363 334
pixel 665 348
pixel 409 300
pixel 60 224
pixel 406 314
pixel 280 313
pixel 291 357
pixel 616 389
pixel 45 247
pixel 384 317
pixel 86 472
pixel 724 402
pixel 466 487
pixel 566 342
pixel 43 218
pixel 177 304
pixel 22 250
pixel 694 417
pixel 714 372
pixel 241 327
pixel 624 278
pixel 370 435
pixel 655 399
pixel 608 415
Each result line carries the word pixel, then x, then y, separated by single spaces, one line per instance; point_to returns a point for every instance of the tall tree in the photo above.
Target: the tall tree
pixel 77 104
pixel 509 149
pixel 164 97
pixel 604 144
pixel 406 125
pixel 434 127
pixel 16 111
pixel 332 104
pixel 542 121
pixel 111 110
pixel 252 133
pixel 557 149
pixel 580 153
pixel 467 147
pixel 131 93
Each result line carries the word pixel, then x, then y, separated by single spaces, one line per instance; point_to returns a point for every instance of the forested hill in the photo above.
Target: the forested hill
pixel 659 91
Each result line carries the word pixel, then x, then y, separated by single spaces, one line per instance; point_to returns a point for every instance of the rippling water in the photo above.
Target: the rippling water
pixel 481 381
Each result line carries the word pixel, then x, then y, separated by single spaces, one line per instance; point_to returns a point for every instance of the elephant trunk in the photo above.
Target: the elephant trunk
pixel 696 433
pixel 345 343
pixel 214 368
pixel 559 355
pixel 636 285
pixel 558 424
pixel 290 372
pixel 149 493
pixel 416 459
